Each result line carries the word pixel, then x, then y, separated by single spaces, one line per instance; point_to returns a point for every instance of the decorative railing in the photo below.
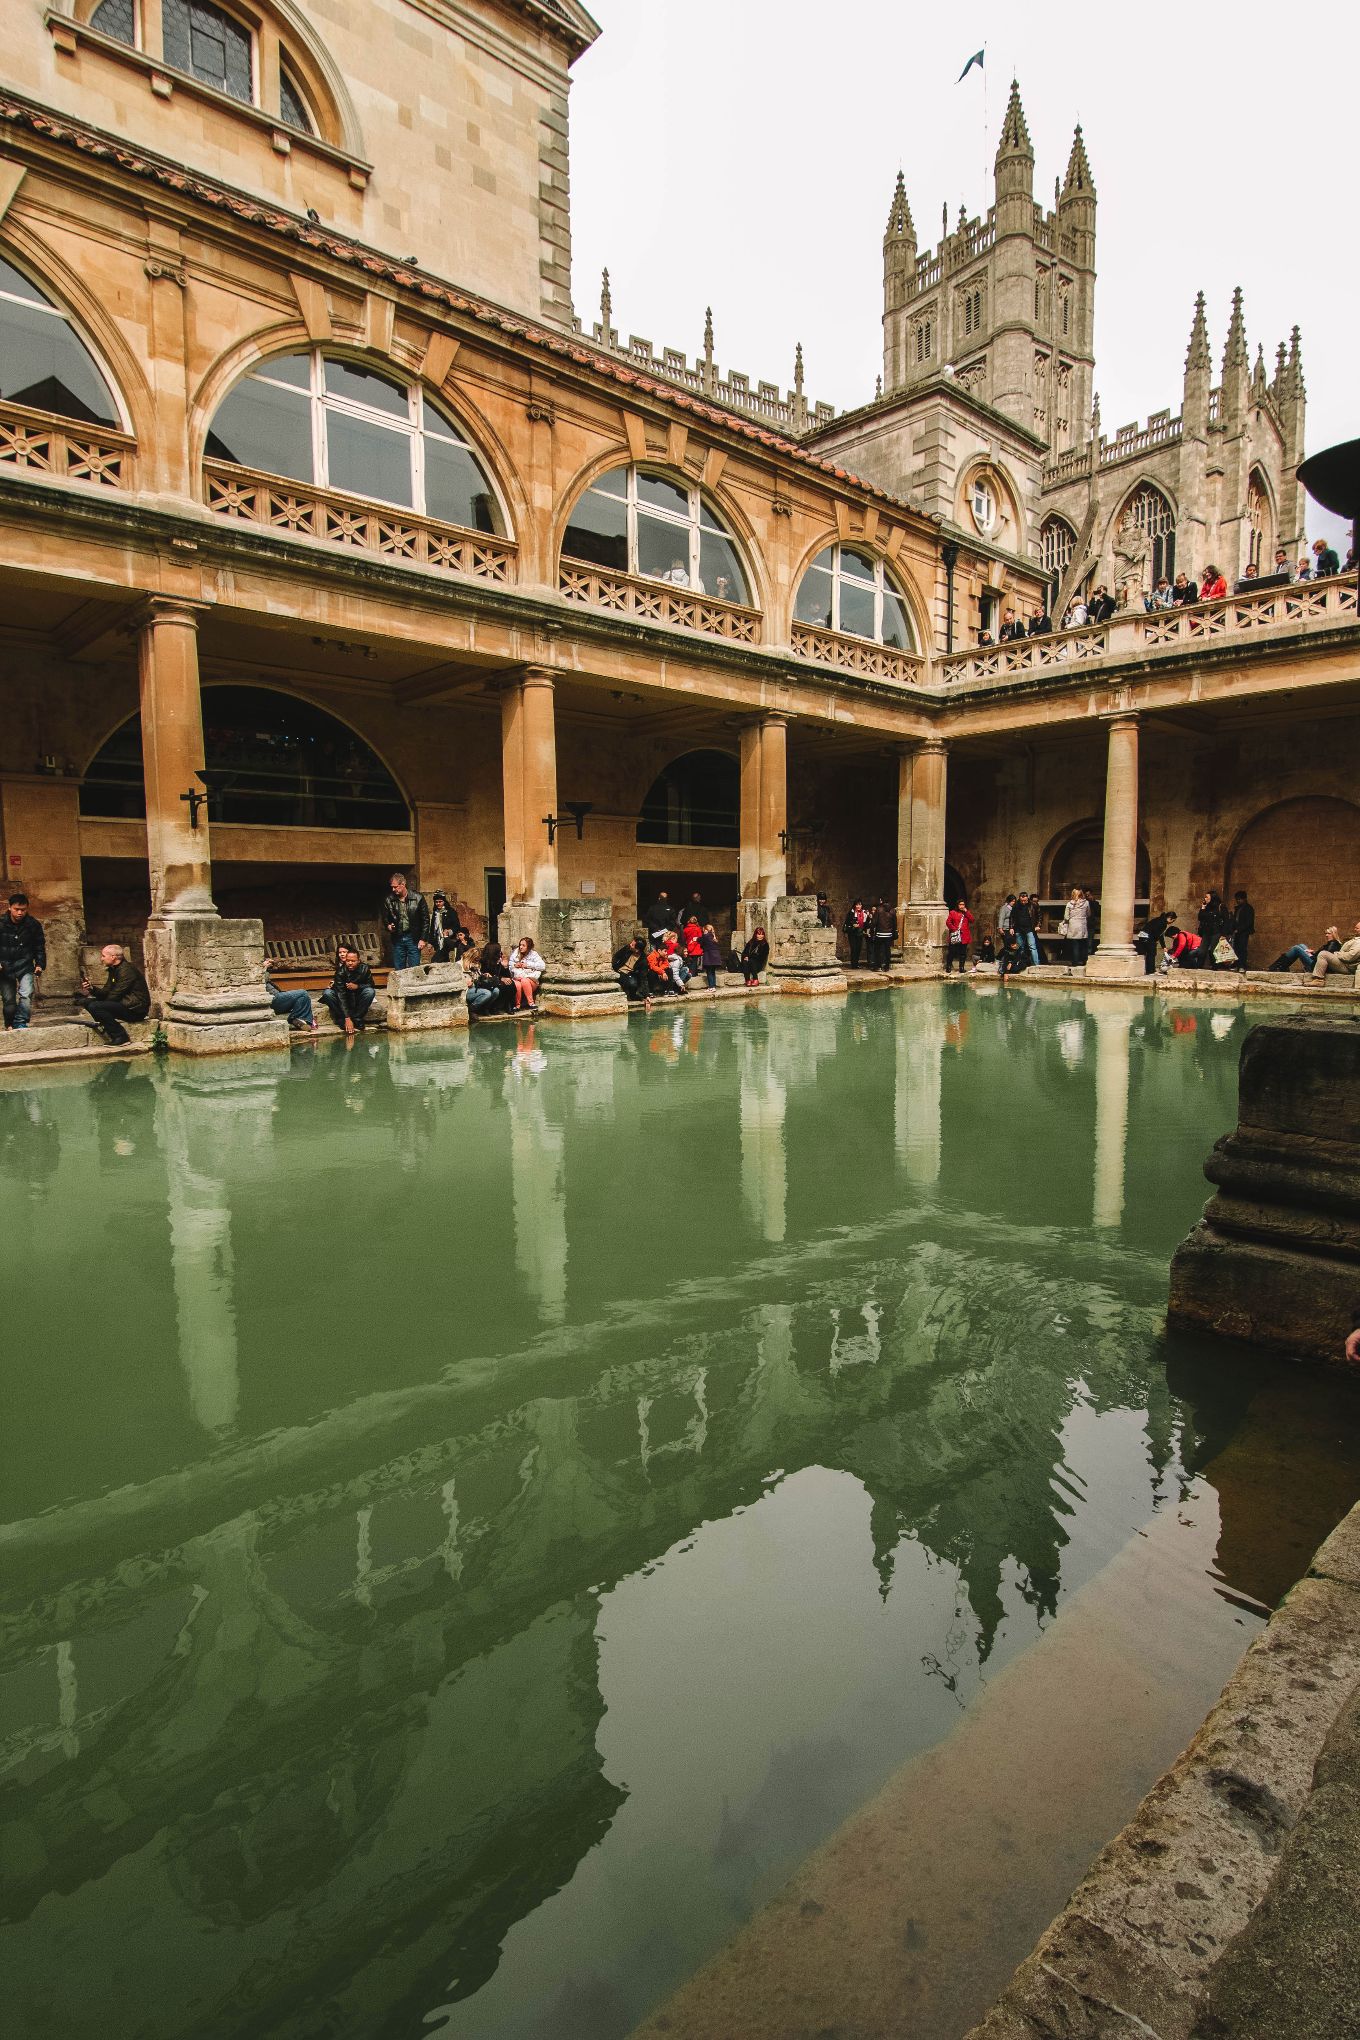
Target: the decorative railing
pixel 1023 657
pixel 41 444
pixel 658 602
pixel 1161 430
pixel 294 510
pixel 857 655
pixel 1273 608
pixel 1076 461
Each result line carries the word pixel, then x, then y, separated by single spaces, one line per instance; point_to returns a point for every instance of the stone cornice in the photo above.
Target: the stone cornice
pixel 30 118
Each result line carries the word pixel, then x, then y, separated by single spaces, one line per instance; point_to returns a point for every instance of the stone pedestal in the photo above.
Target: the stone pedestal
pixel 428 996
pixel 750 915
pixel 575 940
pixel 923 940
pixel 802 953
pixel 210 975
pixel 1276 1258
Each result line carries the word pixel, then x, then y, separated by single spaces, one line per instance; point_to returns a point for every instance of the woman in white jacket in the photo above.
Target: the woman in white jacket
pixel 1075 927
pixel 526 968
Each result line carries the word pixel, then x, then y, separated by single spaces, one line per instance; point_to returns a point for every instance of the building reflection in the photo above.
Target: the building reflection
pixel 1114 1016
pixel 920 1031
pixel 537 1179
pixel 762 1105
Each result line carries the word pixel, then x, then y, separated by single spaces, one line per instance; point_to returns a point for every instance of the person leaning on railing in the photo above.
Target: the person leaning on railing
pixel 1040 622
pixel 1213 587
pixel 1325 561
pixel 1184 590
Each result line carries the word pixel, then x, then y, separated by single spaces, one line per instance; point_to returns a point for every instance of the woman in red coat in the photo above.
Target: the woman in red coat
pixel 1214 587
pixel 958 933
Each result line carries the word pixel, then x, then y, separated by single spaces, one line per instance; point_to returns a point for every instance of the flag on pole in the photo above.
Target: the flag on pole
pixel 979 58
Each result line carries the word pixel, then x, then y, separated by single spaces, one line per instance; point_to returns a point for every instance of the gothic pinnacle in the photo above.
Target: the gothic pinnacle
pixel 606 305
pixel 1079 181
pixel 1235 351
pixel 1197 355
pixel 899 212
pixel 798 369
pixel 1014 138
pixel 708 331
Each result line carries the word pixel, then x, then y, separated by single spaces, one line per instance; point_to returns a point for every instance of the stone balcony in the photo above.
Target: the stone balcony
pixel 1140 640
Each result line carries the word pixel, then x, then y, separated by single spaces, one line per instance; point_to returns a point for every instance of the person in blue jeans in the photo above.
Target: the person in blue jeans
pixel 350 993
pixel 23 959
pixel 294 1007
pixel 1301 953
pixel 1022 926
pixel 406 918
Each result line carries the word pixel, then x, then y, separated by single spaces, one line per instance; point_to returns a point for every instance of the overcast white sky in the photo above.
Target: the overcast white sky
pixel 742 153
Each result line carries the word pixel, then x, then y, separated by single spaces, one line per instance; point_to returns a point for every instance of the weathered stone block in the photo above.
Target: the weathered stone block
pixel 802 953
pixel 1276 1258
pixel 429 996
pixel 575 941
pixel 211 978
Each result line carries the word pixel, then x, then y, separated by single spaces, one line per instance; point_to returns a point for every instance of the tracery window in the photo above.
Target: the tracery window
pixel 1056 542
pixel 1258 521
pixel 116 18
pixel 972 311
pixel 925 339
pixel 211 44
pixel 1155 517
pixel 43 361
pixel 341 424
pixel 292 106
pixel 632 521
pixel 850 591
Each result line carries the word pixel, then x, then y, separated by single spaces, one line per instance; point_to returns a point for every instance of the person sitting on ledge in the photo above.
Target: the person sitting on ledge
pixel 294 1007
pixel 447 939
pixel 754 958
pixel 630 968
pixel 1013 958
pixel 493 988
pixel 526 968
pixel 661 982
pixel 1345 958
pixel 1301 953
pixel 23 959
pixel 122 996
pixel 350 993
pixel 406 918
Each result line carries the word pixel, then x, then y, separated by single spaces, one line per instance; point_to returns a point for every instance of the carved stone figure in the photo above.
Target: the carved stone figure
pixel 1132 551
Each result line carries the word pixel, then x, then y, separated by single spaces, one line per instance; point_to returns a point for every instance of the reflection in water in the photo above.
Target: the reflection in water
pixel 1114 1019
pixel 478 1651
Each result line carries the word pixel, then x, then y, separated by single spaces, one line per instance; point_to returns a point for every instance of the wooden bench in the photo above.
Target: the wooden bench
pixel 306 963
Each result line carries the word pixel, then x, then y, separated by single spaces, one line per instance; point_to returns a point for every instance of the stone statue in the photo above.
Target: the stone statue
pixel 1132 551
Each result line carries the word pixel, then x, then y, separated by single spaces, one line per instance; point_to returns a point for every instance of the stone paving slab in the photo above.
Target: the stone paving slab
pixel 1251 1833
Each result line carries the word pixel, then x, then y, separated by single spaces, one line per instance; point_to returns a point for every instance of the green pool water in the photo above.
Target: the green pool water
pixel 478 1514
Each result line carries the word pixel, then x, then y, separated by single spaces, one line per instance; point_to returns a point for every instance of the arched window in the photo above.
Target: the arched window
pixel 292 106
pixel 695 800
pixel 212 45
pixel 850 591
pixel 43 362
pixel 1155 517
pixel 269 759
pixel 982 500
pixel 116 18
pixel 344 425
pixel 632 521
pixel 1056 542
pixel 1259 541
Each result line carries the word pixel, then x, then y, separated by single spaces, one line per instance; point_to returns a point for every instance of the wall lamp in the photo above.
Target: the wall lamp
pixel 578 810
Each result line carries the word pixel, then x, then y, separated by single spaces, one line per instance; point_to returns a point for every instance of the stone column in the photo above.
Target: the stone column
pixel 923 916
pixel 529 768
pixel 1116 956
pixel 748 856
pixel 774 806
pixel 206 975
pixel 906 760
pixel 179 854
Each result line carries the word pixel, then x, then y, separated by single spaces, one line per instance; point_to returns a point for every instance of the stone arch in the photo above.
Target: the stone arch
pixel 901 582
pixel 1075 855
pixel 98 333
pixel 695 800
pixel 983 468
pixel 1143 500
pixel 111 780
pixel 735 520
pixel 1261 521
pixel 1299 860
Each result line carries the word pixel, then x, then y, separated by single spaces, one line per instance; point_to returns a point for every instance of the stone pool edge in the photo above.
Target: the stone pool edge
pixel 1204 1918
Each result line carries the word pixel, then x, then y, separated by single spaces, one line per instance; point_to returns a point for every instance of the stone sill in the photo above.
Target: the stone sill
pixel 164 81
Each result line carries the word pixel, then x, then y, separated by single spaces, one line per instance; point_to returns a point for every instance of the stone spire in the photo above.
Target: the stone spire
pixel 1295 376
pixel 798 369
pixel 1258 375
pixel 900 224
pixel 1197 354
pixel 709 372
pixel 1079 182
pixel 1278 380
pixel 1015 139
pixel 1235 350
pixel 606 310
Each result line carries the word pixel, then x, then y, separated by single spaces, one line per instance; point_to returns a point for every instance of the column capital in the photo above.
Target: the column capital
pixel 1121 718
pixel 179 609
pixel 934 747
pixel 537 676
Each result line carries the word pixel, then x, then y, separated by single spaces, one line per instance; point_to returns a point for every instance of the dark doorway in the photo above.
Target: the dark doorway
pixel 718 890
pixel 495 900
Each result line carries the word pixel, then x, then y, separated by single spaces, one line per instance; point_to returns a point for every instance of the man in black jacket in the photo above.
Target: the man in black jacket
pixel 122 996
pixel 660 914
pixel 1243 926
pixel 1040 623
pixel 406 917
pixel 350 993
pixel 23 959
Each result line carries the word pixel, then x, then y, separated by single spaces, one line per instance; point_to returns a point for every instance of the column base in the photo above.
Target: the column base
pixel 803 956
pixel 211 973
pixel 429 996
pixel 922 939
pixel 576 939
pixel 808 984
pixel 587 1000
pixel 1117 962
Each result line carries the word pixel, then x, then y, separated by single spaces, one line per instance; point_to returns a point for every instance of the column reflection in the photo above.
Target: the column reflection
pixel 918 1106
pixel 537 1181
pixel 764 1165
pixel 199 1124
pixel 1114 1020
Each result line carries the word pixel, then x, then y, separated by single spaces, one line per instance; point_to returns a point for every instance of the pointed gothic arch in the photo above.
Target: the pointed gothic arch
pixel 1154 513
pixel 1260 521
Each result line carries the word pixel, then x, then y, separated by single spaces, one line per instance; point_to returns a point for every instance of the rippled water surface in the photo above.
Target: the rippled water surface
pixel 483 1515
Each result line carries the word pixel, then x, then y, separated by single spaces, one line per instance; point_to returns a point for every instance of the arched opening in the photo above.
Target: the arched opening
pixel 847 590
pixel 1260 525
pixel 270 760
pixel 696 800
pixel 1150 512
pixel 44 363
pixel 659 527
pixel 1057 542
pixel 954 887
pixel 1076 859
pixel 1300 863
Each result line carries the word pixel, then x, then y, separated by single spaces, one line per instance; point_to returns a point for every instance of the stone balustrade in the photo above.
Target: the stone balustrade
pixel 857 655
pixel 295 509
pixel 44 445
pixel 1134 637
pixel 658 602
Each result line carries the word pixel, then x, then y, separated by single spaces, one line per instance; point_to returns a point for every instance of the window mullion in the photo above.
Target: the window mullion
pixel 320 443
